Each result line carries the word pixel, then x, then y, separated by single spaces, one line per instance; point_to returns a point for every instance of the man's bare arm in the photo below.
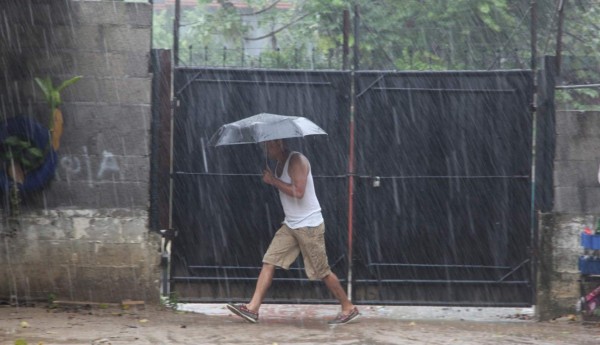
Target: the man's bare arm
pixel 298 171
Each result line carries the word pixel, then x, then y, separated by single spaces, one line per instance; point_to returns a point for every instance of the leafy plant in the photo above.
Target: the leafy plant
pixel 171 301
pixel 54 100
pixel 51 301
pixel 16 149
pixel 20 157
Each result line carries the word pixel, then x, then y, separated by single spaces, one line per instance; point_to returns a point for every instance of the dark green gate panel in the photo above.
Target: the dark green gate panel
pixel 444 190
pixel 224 213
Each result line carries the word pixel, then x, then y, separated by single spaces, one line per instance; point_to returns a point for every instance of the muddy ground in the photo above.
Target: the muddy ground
pixel 282 324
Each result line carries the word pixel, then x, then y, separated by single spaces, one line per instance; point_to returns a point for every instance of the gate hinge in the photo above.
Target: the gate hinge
pixel 168 234
pixel 532 107
pixel 174 103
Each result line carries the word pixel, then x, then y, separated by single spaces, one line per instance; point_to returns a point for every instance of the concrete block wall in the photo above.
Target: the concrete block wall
pixel 576 205
pixel 85 236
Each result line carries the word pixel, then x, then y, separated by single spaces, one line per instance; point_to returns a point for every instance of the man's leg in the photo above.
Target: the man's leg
pixel 312 245
pixel 262 285
pixel 333 284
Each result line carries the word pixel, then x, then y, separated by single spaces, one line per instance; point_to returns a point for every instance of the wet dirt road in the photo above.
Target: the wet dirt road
pixel 285 324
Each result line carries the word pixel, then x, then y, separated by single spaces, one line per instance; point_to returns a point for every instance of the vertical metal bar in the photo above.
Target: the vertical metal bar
pixel 559 33
pixel 346 42
pixel 161 131
pixel 356 38
pixel 155 130
pixel 296 54
pixel 533 35
pixel 176 32
pixel 161 156
pixel 278 57
pixel 499 58
pixel 190 48
pixel 351 171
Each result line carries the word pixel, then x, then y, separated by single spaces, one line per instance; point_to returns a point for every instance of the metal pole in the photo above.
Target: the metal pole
pixel 533 238
pixel 351 171
pixel 356 32
pixel 176 33
pixel 346 49
pixel 533 35
pixel 561 16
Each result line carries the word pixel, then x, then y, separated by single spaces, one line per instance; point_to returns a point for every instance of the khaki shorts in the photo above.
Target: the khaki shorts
pixel 310 241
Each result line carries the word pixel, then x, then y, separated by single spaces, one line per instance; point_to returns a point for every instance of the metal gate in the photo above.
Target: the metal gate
pixel 443 192
pixel 442 199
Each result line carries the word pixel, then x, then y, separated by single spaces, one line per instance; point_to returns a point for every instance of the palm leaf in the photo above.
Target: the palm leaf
pixel 68 82
pixel 46 86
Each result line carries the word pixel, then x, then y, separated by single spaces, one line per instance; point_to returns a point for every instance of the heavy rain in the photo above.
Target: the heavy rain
pixel 447 149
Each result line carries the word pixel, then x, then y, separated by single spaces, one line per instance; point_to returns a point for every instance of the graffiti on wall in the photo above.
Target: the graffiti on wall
pixel 90 167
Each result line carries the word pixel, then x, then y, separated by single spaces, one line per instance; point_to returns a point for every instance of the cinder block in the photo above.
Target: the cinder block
pixel 576 148
pixel 116 91
pixel 98 12
pixel 94 194
pixel 93 64
pixel 582 124
pixel 134 230
pixel 109 64
pixel 135 168
pixel 97 229
pixel 139 14
pixel 46 229
pixel 126 194
pixel 577 200
pixel 110 283
pixel 124 117
pixel 124 38
pixel 569 173
pixel 115 13
pixel 119 254
pixel 69 194
pixel 50 13
pixel 565 261
pixel 88 38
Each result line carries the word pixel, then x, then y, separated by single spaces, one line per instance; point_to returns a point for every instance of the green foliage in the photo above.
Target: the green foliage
pixel 162 30
pixel 393 34
pixel 51 301
pixel 52 93
pixel 170 301
pixel 22 151
pixel 20 342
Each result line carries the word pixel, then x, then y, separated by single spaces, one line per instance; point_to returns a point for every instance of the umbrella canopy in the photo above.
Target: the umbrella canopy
pixel 264 127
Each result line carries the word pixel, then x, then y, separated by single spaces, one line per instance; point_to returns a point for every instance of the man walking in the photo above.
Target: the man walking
pixel 302 231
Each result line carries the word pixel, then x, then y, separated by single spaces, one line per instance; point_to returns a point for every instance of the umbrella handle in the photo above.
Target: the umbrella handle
pixel 264 149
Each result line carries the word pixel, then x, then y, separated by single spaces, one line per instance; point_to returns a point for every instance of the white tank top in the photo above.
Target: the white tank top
pixel 300 212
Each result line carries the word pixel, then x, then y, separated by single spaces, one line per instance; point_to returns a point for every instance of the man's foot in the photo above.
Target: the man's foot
pixel 245 313
pixel 345 318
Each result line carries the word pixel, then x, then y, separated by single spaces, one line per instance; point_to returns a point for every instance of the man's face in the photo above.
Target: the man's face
pixel 274 148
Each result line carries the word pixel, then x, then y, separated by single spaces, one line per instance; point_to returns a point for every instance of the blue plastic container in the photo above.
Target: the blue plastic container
pixel 595 242
pixel 590 241
pixel 589 265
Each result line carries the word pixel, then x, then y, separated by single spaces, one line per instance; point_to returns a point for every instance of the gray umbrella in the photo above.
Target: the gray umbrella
pixel 264 127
